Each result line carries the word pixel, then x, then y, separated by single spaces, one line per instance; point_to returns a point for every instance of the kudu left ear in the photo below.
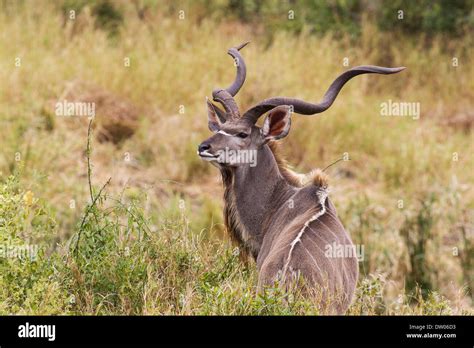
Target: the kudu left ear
pixel 277 123
pixel 215 117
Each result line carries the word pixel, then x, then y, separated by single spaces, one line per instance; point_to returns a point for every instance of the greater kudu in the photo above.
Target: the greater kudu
pixel 285 222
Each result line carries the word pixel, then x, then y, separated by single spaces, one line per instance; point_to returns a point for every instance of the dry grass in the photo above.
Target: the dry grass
pixel 175 64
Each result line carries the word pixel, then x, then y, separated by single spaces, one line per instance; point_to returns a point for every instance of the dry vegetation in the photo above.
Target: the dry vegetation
pixel 154 242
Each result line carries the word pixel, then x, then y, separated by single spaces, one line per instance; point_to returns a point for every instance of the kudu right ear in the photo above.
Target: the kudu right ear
pixel 215 117
pixel 277 123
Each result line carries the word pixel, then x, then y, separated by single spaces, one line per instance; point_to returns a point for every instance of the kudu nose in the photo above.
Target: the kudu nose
pixel 203 147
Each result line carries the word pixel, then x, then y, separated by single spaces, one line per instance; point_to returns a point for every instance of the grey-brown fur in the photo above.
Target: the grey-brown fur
pixel 285 221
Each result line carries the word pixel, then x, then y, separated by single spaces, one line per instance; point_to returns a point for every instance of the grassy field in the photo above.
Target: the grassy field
pixel 151 240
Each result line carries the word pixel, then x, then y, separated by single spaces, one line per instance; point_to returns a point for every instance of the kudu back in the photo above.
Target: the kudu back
pixel 284 220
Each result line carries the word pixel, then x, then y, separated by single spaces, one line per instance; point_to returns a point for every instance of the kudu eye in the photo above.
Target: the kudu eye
pixel 242 135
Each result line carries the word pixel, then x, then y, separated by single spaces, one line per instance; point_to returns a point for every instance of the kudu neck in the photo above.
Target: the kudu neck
pixel 257 191
pixel 261 177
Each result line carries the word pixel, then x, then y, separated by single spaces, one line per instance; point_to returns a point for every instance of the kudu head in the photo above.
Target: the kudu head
pixel 236 132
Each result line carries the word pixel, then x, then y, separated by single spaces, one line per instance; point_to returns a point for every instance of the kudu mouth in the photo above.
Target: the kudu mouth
pixel 207 156
pixel 204 153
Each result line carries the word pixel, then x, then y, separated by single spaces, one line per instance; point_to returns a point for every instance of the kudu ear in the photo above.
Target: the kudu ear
pixel 277 123
pixel 215 117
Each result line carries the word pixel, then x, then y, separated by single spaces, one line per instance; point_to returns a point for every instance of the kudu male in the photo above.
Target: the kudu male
pixel 286 223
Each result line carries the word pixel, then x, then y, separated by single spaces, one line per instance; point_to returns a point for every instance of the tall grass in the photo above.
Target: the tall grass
pixel 154 242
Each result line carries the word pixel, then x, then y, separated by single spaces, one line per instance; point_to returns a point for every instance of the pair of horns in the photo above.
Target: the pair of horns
pixel 226 96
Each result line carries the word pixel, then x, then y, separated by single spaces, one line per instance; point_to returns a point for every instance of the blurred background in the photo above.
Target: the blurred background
pixel 153 241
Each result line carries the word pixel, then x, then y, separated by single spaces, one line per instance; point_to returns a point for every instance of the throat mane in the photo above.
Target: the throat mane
pixel 238 233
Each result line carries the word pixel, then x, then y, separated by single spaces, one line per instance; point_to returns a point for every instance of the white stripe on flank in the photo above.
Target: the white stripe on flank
pixel 322 195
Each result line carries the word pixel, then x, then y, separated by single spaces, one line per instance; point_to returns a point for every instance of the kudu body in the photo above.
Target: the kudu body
pixel 284 220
